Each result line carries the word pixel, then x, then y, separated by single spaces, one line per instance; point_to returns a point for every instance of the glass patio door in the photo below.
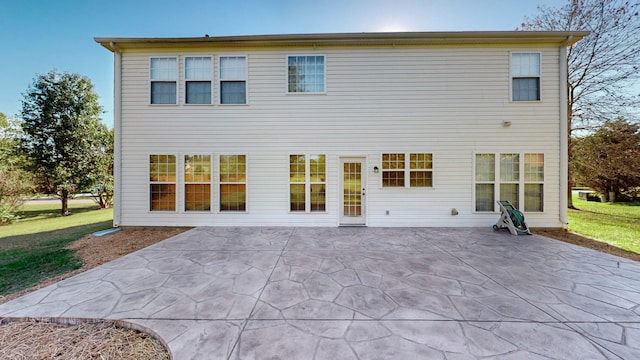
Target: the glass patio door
pixel 352 191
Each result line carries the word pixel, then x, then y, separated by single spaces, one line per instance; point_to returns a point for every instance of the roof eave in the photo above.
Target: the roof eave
pixel 351 39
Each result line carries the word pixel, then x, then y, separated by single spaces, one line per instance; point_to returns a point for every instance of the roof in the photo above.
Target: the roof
pixel 560 38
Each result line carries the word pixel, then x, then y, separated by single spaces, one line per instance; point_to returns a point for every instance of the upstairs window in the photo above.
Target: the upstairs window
pixel 163 75
pixel 525 76
pixel 233 80
pixel 306 74
pixel 197 75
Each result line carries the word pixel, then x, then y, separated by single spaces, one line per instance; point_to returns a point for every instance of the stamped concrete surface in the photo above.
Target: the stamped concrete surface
pixel 362 293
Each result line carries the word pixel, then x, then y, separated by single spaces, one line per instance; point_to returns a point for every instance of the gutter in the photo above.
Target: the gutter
pixel 117 135
pixel 564 133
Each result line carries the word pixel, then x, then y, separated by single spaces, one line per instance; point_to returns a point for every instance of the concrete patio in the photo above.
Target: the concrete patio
pixel 362 293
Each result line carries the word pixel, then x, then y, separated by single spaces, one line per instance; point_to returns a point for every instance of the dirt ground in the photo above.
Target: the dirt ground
pixel 31 339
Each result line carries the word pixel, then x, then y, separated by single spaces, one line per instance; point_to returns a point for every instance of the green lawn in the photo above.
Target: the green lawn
pixel 617 224
pixel 32 249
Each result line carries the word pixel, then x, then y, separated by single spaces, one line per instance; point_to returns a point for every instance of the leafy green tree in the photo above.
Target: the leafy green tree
pixel 15 183
pixel 102 190
pixel 608 161
pixel 602 67
pixel 62 133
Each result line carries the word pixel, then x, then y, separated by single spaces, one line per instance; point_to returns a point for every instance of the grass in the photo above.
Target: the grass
pixel 617 224
pixel 34 248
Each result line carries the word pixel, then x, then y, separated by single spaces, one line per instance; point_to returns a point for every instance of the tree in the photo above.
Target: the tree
pixel 14 182
pixel 603 66
pixel 102 190
pixel 62 133
pixel 608 161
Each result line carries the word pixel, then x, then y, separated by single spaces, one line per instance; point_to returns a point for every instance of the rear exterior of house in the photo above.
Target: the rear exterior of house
pixel 393 129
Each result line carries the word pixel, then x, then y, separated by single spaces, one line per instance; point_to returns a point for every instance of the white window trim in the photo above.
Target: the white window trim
pixel 307 184
pixel 218 79
pixel 218 183
pixel 407 171
pixel 177 80
pixel 307 93
pixel 496 182
pixel 511 77
pixel 183 184
pixel 182 65
pixel 149 183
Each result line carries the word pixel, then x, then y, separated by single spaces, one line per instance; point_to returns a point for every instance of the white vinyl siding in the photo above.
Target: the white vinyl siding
pixel 409 99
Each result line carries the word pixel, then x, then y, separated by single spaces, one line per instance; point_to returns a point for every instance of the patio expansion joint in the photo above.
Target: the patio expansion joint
pixel 255 305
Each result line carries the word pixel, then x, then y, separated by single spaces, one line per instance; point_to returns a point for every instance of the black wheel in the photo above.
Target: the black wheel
pixel 496 228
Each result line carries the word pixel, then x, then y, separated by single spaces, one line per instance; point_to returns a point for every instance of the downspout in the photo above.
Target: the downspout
pixel 564 134
pixel 117 135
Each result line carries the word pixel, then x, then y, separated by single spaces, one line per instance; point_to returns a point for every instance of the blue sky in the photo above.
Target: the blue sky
pixel 39 35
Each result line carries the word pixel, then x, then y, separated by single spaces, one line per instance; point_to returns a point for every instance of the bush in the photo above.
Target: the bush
pixel 14 185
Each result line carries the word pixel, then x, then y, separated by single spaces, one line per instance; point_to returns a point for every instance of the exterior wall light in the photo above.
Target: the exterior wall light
pixel 376 170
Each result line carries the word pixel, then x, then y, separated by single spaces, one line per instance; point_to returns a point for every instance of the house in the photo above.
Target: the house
pixel 375 129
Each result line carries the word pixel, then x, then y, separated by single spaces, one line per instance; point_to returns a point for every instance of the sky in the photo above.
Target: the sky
pixel 37 36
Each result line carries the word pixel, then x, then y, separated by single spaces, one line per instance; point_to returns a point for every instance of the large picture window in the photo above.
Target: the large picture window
pixel 307 183
pixel 197 182
pixel 162 178
pixel 306 74
pixel 407 170
pixel 511 181
pixel 233 183
pixel 163 75
pixel 197 75
pixel 525 76
pixel 233 80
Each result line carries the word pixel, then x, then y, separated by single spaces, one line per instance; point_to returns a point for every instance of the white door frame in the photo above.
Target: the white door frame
pixel 358 209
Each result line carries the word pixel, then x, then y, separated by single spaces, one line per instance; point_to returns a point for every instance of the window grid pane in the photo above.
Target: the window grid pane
pixel 197 197
pixel 163 69
pixel 306 74
pixel 233 92
pixel 509 167
pixel 526 89
pixel 485 167
pixel 525 64
pixel 533 197
pixel 510 192
pixel 197 68
pixel 197 168
pixel 533 167
pixel 163 197
pixel 233 197
pixel 198 92
pixel 233 68
pixel 162 168
pixel 393 174
pixel 420 179
pixel 484 197
pixel 163 92
pixel 233 175
pixel 317 178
